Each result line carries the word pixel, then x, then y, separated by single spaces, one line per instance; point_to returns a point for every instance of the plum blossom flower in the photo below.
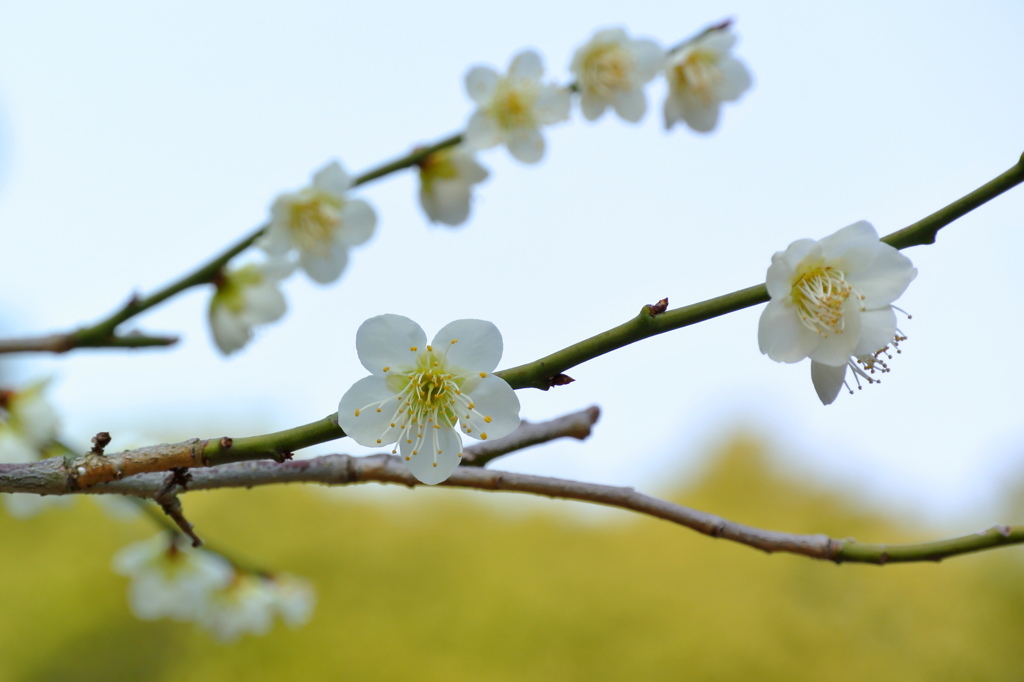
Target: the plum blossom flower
pixel 446 177
pixel 321 223
pixel 171 580
pixel 250 601
pixel 512 108
pixel 831 301
pixel 247 297
pixel 701 75
pixel 611 70
pixel 417 392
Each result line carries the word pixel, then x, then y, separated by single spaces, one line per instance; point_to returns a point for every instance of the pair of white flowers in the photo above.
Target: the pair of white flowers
pixel 313 228
pixel 831 301
pixel 194 585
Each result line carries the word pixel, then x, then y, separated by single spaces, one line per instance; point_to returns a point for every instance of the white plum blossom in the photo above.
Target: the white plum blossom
pixel 171 580
pixel 250 601
pixel 831 301
pixel 512 108
pixel 701 75
pixel 247 297
pixel 321 222
pixel 446 177
pixel 417 392
pixel 611 71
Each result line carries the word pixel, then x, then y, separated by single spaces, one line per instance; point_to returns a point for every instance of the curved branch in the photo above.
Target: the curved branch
pixel 341 470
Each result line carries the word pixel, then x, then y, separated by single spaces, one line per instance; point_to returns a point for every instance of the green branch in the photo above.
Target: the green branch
pixel 859 552
pixel 544 373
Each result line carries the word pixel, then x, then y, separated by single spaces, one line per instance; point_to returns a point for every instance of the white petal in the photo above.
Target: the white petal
pixel 719 42
pixel 332 179
pixel 700 116
pixel 592 105
pixel 481 81
pixel 526 144
pixel 526 65
pixel 492 397
pixel 447 202
pixel 324 267
pixel 482 132
pixel 16 448
pixel 429 465
pixel 672 112
pixel 780 335
pixel 828 381
pixel 377 405
pixel 229 332
pixel 387 341
pixel 885 280
pixel 358 222
pixel 650 59
pixel 552 105
pixel 851 248
pixel 277 239
pixel 470 170
pixel 470 345
pixel 609 35
pixel 631 105
pixel 836 349
pixel 263 304
pixel 877 330
pixel 735 79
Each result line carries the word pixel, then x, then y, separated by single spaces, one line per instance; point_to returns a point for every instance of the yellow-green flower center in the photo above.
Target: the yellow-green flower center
pixel 607 69
pixel 512 106
pixel 819 295
pixel 699 73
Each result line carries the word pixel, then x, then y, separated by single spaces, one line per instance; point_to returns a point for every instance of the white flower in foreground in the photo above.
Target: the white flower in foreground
pixel 831 301
pixel 702 75
pixel 245 298
pixel 512 108
pixel 170 580
pixel 321 223
pixel 611 71
pixel 446 177
pixel 417 392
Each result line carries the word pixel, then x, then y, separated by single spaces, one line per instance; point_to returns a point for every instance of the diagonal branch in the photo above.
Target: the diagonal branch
pixel 339 470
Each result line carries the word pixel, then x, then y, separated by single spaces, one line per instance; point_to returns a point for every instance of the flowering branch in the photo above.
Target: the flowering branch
pixel 648 322
pixel 59 475
pixel 338 470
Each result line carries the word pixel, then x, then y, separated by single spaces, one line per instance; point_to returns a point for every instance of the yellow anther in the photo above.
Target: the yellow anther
pixel 387 369
pixel 486 419
pixel 438 452
pixel 483 374
pixel 378 441
pixel 483 436
pixel 407 458
pixel 413 348
pixel 430 349
pixel 378 409
pixel 357 413
pixel 392 425
pixel 415 452
pixel 455 340
pixel 471 406
pixel 437 426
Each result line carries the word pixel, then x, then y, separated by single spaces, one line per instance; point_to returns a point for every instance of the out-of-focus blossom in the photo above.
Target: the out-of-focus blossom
pixel 245 298
pixel 611 71
pixel 512 108
pixel 701 75
pixel 446 180
pixel 321 222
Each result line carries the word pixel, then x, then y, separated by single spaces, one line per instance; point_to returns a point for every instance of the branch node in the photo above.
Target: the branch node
pixel 226 442
pixel 281 457
pixel 559 380
pixel 100 441
pixel 655 309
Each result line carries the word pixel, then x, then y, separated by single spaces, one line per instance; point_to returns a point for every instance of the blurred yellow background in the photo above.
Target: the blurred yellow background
pixel 446 585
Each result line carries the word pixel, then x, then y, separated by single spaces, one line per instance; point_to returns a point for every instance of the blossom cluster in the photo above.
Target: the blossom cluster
pixel 178 582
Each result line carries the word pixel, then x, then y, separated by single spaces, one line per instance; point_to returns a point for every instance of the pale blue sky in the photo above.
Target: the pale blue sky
pixel 141 138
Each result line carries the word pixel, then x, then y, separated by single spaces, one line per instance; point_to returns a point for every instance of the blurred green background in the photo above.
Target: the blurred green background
pixel 454 585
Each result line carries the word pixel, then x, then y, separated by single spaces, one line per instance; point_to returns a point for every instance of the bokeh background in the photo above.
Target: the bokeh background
pixel 137 140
